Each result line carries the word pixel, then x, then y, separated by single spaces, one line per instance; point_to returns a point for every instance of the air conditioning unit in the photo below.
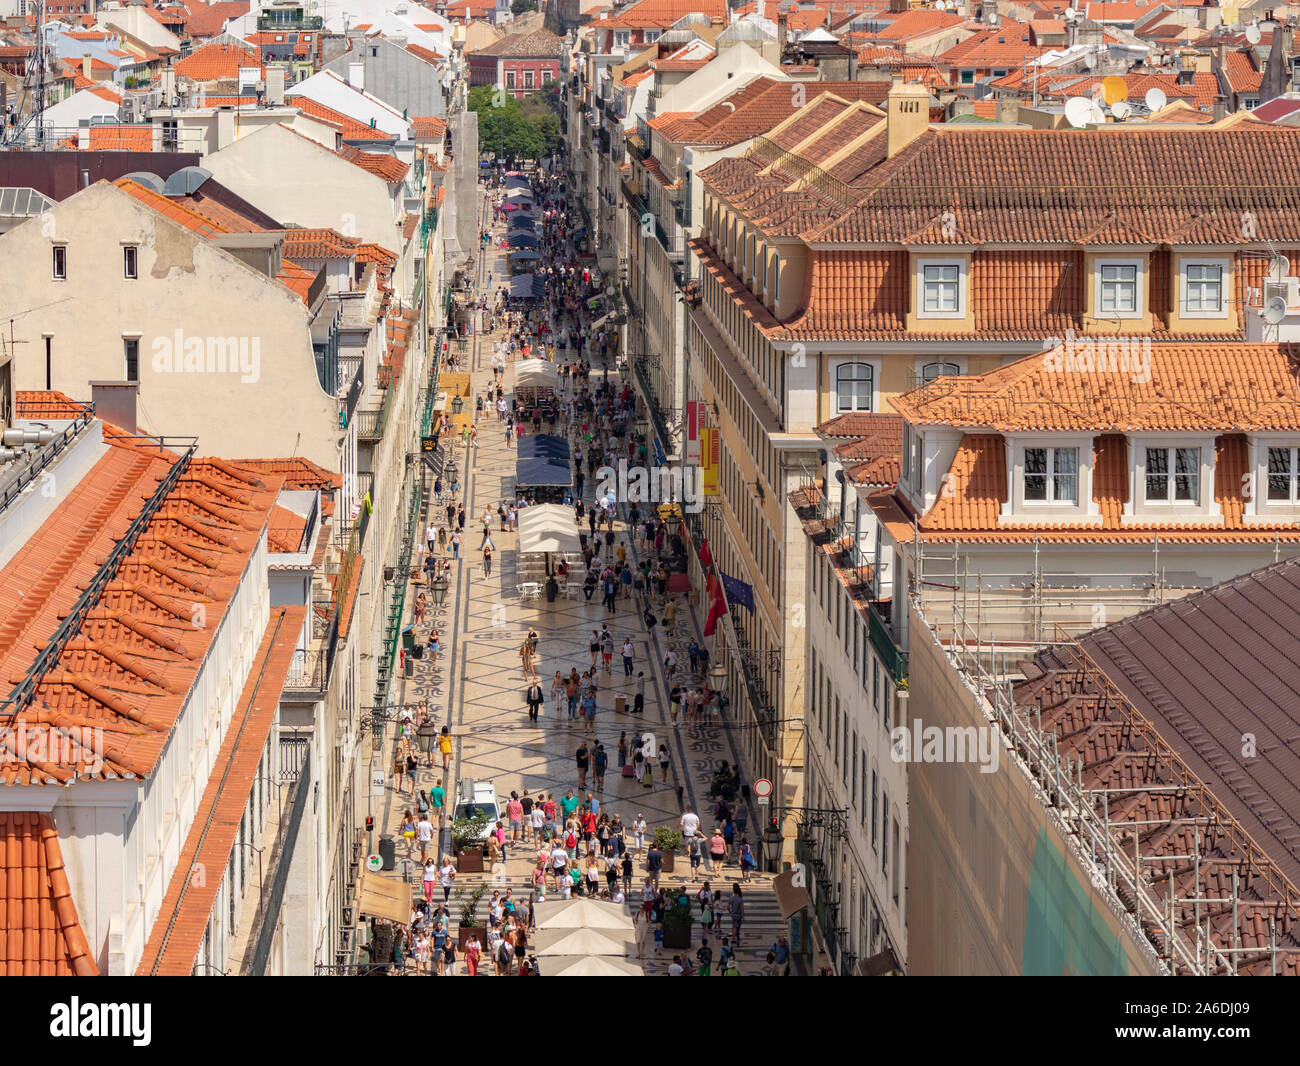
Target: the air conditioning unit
pixel 1287 288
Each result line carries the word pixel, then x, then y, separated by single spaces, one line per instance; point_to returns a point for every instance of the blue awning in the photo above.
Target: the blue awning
pixel 543 446
pixel 544 473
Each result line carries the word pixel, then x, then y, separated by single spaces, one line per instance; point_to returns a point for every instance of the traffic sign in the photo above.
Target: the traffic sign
pixel 762 788
pixel 374 863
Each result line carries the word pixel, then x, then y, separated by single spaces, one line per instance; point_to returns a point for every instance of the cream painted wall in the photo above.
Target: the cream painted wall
pixel 266 168
pixel 184 283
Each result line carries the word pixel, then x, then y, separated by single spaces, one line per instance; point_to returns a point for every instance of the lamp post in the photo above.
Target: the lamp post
pixel 439 588
pixel 772 842
pixel 457 404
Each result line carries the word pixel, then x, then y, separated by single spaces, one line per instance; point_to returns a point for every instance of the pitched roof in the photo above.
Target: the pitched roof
pixel 429 127
pixel 1104 387
pixel 661 14
pixel 178 931
pixel 43 933
pixel 218 62
pixel 1242 72
pixel 1195 185
pixel 382 165
pixel 129 667
pixel 538 44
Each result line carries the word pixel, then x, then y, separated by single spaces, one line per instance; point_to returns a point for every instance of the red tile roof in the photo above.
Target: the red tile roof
pixel 388 167
pixel 178 931
pixel 43 935
pixel 429 127
pixel 661 14
pixel 129 668
pixel 1242 72
pixel 218 62
pixel 1225 387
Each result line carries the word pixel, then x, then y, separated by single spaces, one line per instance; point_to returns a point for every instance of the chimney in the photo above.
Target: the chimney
pixel 275 86
pixel 908 111
pixel 357 75
pixel 1009 109
pixel 1186 67
pixel 85 67
pixel 225 128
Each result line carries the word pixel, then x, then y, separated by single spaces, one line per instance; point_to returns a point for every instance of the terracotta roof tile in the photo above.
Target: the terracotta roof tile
pixel 1226 387
pixel 388 167
pixel 43 935
pixel 661 14
pixel 178 931
pixel 218 62
pixel 129 667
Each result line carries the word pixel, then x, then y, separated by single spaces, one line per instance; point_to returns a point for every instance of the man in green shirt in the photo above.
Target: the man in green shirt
pixel 438 798
pixel 569 804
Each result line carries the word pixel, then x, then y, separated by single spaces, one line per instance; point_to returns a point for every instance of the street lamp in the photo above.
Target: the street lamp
pixel 771 843
pixel 427 734
pixel 439 589
pixel 718 678
pixel 457 405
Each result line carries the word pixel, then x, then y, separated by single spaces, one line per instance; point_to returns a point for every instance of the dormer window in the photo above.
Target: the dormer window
pixel 1117 289
pixel 1173 475
pixel 651 36
pixel 1283 475
pixel 1203 288
pixel 1051 475
pixel 853 387
pixel 941 290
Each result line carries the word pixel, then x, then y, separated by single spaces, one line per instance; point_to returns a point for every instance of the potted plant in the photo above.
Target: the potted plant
pixel 667 840
pixel 467 843
pixel 678 920
pixel 469 925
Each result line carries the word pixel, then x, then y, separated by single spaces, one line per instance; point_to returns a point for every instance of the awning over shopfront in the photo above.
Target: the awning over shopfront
pixel 543 446
pixel 548 527
pixel 384 897
pixel 523 253
pixel 792 898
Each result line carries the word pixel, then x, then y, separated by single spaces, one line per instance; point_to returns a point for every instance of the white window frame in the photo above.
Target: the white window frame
pixel 622 38
pixel 1185 310
pixel 652 35
pixel 1050 476
pixel 1083 511
pixel 59 262
pixel 873 380
pixel 131 262
pixel 925 265
pixel 1099 268
pixel 1171 474
pixel 1293 475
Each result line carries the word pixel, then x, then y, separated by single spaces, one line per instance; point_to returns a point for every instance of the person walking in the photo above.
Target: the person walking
pixel 600 760
pixel 446 876
pixel 487 560
pixel 526 657
pixel 638 700
pixel 736 908
pixel 444 749
pixel 717 851
pixel 557 693
pixel 629 653
pixel 535 698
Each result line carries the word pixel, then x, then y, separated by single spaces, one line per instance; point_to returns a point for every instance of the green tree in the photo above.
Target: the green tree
pixel 518 7
pixel 505 127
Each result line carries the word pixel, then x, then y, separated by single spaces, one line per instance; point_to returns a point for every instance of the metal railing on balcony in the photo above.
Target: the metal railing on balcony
pixel 308 672
pixel 354 389
pixel 372 422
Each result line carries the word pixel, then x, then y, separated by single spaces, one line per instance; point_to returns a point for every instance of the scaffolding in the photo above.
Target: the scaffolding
pixel 1164 874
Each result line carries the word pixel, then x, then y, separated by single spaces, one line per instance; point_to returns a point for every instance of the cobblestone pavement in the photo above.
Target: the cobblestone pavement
pixel 478 686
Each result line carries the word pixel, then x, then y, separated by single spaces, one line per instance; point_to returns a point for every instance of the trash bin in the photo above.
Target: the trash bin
pixel 417 651
pixel 388 852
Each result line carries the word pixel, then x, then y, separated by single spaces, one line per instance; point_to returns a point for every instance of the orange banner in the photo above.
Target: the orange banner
pixel 710 458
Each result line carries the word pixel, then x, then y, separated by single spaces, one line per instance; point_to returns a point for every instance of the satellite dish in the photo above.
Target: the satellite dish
pixel 1253 33
pixel 994 18
pixel 1071 14
pixel 1078 110
pixel 1278 267
pixel 1121 110
pixel 1275 310
pixel 1114 89
pixel 1156 99
pixel 1090 60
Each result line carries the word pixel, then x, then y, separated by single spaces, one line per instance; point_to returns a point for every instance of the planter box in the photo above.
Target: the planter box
pixel 668 862
pixel 469 862
pixel 677 932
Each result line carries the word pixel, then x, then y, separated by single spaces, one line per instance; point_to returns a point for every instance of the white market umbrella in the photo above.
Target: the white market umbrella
pixel 589 966
pixel 583 913
pixel 583 942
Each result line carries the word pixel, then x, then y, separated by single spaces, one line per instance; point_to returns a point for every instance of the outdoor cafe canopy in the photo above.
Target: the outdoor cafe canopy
pixel 543 446
pixel 544 473
pixel 548 527
pixel 523 253
pixel 536 374
pixel 527 287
